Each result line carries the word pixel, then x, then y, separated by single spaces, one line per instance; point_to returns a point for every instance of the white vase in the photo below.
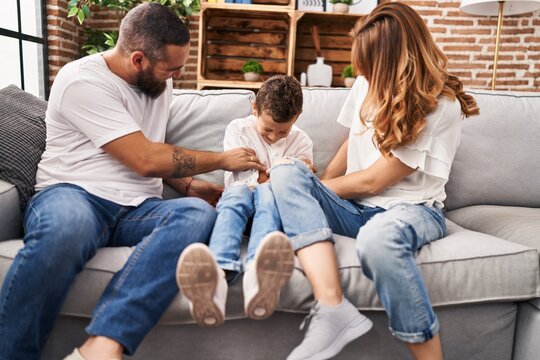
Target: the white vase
pixel 319 74
pixel 251 76
pixel 349 81
pixel 341 8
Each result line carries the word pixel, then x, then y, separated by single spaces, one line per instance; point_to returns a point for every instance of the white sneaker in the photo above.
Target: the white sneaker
pixel 329 330
pixel 267 274
pixel 203 283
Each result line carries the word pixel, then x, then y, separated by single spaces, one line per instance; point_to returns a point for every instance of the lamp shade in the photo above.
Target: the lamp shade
pixel 491 7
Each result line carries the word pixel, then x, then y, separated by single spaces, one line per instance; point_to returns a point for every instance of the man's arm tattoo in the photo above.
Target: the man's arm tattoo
pixel 182 162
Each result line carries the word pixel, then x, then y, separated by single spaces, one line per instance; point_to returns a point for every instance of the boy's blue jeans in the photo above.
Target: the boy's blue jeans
pixel 386 241
pixel 235 207
pixel 65 226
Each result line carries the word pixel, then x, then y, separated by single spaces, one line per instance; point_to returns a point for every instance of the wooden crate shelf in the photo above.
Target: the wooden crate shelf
pixel 275 35
pixel 230 37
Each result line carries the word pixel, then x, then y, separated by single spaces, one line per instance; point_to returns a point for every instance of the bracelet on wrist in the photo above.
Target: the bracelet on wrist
pixel 188 185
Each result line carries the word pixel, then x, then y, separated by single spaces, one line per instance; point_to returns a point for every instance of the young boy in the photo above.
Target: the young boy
pixel 203 271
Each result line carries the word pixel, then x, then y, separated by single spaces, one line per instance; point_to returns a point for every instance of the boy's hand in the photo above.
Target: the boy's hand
pixel 205 190
pixel 241 159
pixel 263 177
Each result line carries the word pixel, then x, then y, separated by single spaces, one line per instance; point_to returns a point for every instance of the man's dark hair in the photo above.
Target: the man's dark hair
pixel 280 97
pixel 148 28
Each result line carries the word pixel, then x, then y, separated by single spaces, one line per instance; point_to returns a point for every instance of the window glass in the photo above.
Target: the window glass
pixel 33 68
pixel 8 15
pixel 31 17
pixel 10 70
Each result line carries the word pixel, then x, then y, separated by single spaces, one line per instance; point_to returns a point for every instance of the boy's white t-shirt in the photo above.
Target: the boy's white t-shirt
pixel 243 133
pixel 88 107
pixel 431 154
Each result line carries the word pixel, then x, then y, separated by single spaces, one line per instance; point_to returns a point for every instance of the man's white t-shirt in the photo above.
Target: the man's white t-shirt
pixel 89 106
pixel 243 133
pixel 431 154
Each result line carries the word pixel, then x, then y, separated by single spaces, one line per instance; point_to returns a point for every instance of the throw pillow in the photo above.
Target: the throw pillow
pixel 22 139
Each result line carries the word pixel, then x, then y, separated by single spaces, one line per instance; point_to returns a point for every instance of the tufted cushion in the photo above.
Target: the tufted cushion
pixel 22 139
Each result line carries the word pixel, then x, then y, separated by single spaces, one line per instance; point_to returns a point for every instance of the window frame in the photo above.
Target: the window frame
pixel 21 37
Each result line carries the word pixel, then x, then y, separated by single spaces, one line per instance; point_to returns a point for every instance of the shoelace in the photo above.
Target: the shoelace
pixel 307 320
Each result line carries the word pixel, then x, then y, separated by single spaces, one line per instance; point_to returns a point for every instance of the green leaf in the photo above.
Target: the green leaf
pixel 86 10
pixel 80 16
pixel 73 11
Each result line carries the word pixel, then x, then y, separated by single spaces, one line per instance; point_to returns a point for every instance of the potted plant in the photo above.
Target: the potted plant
pixel 341 6
pixel 252 70
pixel 348 76
pixel 100 40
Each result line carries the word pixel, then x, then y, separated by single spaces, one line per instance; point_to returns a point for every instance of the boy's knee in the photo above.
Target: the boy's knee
pixel 287 170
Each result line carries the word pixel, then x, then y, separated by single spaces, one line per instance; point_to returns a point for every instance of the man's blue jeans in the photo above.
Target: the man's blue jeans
pixel 64 227
pixel 235 207
pixel 386 241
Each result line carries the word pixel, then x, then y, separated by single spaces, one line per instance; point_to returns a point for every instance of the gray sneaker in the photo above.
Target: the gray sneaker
pixel 329 330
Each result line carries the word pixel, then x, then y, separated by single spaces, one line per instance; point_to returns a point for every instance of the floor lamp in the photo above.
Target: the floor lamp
pixel 498 8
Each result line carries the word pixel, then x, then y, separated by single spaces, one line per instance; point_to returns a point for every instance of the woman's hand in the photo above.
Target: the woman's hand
pixel 205 190
pixel 310 165
pixel 241 159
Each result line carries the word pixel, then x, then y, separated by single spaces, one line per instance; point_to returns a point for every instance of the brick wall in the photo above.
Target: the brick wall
pixel 469 43
pixel 467 40
pixel 63 37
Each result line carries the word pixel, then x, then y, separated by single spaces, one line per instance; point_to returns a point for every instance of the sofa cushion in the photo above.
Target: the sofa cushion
pixel 464 267
pixel 517 224
pixel 22 139
pixel 10 219
pixel 498 160
pixel 318 120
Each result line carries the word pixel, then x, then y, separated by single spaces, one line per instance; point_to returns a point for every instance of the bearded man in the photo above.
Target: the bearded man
pixel 99 184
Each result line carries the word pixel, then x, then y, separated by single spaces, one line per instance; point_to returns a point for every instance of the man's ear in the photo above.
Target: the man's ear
pixel 137 60
pixel 254 109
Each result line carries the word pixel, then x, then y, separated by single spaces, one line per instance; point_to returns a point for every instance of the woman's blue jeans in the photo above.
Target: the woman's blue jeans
pixel 235 207
pixel 386 241
pixel 64 227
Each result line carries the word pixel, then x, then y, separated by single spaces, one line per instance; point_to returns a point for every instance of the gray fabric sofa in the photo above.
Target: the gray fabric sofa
pixel 483 278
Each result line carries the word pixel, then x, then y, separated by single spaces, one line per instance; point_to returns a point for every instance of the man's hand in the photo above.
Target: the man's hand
pixel 205 190
pixel 241 159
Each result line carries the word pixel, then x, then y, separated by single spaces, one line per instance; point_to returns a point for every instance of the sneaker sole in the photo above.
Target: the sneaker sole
pixel 354 330
pixel 274 265
pixel 197 277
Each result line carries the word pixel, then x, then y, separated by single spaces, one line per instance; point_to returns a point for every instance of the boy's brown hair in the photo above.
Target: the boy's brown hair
pixel 280 97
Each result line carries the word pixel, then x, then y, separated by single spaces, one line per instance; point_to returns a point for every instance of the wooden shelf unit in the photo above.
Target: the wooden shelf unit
pixel 230 34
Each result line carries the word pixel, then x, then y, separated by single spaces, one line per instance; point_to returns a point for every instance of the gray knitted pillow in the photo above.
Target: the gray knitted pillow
pixel 22 139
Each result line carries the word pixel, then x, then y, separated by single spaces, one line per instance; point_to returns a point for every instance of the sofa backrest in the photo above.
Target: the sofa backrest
pixel 498 159
pixel 197 120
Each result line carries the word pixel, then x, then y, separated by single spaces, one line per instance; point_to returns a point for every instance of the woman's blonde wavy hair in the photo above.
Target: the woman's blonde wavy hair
pixel 406 71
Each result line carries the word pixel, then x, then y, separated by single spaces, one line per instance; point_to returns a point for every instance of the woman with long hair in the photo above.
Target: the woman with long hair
pixel 385 185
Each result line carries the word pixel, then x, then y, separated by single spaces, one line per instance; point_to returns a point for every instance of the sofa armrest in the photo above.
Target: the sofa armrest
pixel 10 215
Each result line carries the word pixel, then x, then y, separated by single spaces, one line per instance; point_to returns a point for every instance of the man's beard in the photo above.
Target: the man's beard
pixel 148 84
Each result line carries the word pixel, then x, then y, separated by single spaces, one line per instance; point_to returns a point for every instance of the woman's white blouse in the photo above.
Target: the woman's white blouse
pixel 431 154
